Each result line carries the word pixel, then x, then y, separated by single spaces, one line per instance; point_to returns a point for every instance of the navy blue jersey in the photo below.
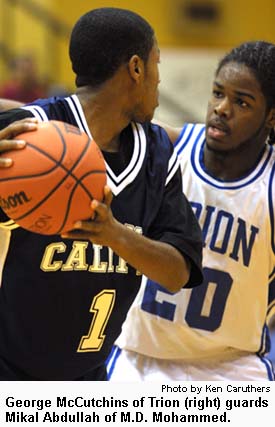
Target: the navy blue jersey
pixel 62 302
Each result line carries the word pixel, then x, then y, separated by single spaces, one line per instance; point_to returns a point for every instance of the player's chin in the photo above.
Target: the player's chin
pixel 155 106
pixel 143 119
pixel 219 145
pixel 150 115
pixel 147 115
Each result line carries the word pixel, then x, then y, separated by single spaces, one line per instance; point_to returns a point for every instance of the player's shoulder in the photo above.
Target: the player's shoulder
pixel 43 109
pixel 42 102
pixel 53 108
pixel 181 133
pixel 156 131
pixel 161 155
pixel 190 135
pixel 190 132
pixel 172 132
pixel 157 138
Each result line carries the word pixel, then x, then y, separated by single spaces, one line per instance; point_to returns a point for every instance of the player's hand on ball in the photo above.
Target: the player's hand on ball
pixel 100 229
pixel 7 135
pixel 55 177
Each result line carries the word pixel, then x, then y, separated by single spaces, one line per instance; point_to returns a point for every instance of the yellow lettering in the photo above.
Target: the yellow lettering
pixel 98 266
pixel 122 266
pixel 76 261
pixel 47 263
pixel 77 258
pixel 110 260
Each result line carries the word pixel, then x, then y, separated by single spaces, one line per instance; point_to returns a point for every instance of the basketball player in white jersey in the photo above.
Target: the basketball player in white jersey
pixel 218 331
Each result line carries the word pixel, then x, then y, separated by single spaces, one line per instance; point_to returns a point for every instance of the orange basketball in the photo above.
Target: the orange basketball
pixel 53 179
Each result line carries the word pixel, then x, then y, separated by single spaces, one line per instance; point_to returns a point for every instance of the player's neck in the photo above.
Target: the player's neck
pixel 104 113
pixel 232 165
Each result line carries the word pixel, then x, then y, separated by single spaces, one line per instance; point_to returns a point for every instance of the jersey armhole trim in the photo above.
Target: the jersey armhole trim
pixel 182 132
pixel 173 166
pixel 37 112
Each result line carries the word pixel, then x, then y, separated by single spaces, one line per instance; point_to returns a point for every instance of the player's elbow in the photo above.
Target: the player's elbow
pixel 177 285
pixel 180 277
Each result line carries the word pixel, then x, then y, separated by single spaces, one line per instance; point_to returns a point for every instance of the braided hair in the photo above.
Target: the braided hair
pixel 259 57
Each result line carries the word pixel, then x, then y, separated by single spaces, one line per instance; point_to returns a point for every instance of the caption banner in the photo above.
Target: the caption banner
pixel 135 404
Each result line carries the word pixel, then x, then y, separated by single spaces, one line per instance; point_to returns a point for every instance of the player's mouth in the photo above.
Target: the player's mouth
pixel 217 129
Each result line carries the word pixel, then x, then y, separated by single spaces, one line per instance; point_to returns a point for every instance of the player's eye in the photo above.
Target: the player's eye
pixel 217 93
pixel 242 103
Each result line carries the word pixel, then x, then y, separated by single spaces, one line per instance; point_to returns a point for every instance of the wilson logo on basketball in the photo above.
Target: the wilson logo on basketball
pixel 14 200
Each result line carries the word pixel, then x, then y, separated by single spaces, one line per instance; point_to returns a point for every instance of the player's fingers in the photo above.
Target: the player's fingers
pixel 8 145
pixel 100 209
pixel 77 234
pixel 83 230
pixel 18 127
pixel 108 195
pixel 11 144
pixel 5 163
pixel 6 135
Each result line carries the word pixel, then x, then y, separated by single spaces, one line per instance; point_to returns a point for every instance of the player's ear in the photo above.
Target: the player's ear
pixel 271 118
pixel 136 68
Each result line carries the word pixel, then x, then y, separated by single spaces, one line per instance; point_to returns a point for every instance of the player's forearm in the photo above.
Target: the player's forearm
pixel 159 261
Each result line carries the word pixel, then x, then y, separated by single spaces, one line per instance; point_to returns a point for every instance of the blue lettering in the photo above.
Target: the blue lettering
pixel 226 234
pixel 197 208
pixel 222 226
pixel 164 309
pixel 241 239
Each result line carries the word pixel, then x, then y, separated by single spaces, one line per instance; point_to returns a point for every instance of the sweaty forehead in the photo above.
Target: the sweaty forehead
pixel 238 75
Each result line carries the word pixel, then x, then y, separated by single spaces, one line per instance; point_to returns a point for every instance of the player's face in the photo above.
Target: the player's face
pixel 148 99
pixel 237 110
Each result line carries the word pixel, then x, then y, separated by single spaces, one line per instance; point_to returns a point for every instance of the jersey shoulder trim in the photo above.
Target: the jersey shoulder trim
pixel 173 166
pixel 116 182
pixel 37 112
pixel 190 133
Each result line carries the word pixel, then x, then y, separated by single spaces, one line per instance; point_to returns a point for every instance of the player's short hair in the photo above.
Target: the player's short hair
pixel 259 57
pixel 103 39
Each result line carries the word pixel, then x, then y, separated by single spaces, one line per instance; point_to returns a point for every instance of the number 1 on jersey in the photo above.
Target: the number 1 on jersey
pixel 101 307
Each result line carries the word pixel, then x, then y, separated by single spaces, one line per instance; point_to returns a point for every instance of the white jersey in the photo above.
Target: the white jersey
pixel 229 312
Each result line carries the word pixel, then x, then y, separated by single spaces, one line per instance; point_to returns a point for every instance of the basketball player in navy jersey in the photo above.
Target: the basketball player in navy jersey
pixel 63 299
pixel 219 330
